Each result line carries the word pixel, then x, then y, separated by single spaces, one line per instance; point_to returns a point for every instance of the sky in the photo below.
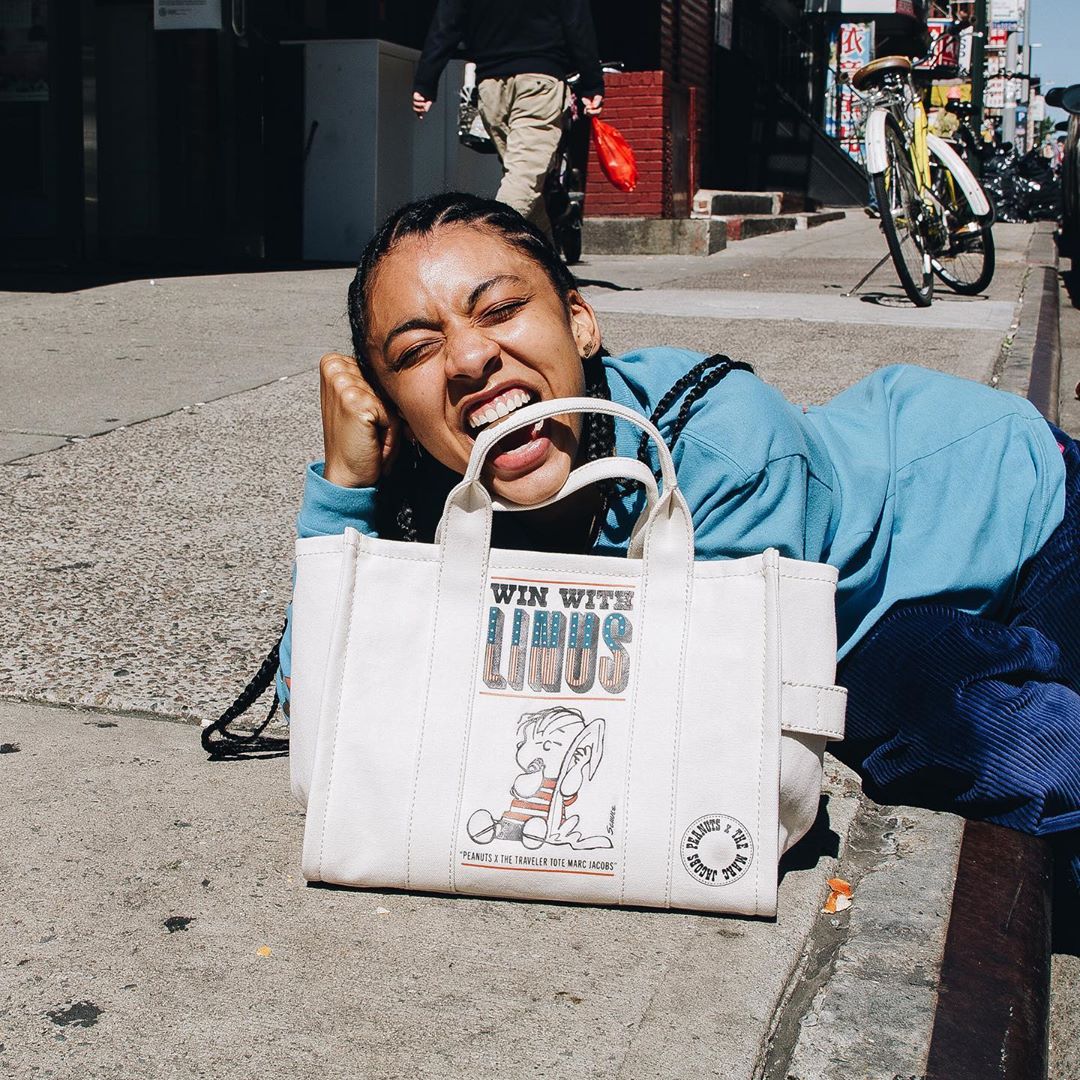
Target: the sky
pixel 1055 27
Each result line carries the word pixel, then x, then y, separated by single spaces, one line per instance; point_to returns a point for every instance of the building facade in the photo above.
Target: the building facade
pixel 144 130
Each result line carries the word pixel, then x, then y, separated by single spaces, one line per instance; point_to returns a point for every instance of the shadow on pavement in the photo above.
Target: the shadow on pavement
pixel 583 282
pixel 65 279
pixel 819 843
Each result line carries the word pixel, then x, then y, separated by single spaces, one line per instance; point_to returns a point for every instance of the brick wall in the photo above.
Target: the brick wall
pixel 652 109
pixel 637 103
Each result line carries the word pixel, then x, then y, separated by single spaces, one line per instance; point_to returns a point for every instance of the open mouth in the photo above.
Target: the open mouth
pixel 517 452
pixel 496 408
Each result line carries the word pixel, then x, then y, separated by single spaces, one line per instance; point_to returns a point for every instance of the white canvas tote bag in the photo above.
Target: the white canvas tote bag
pixel 640 731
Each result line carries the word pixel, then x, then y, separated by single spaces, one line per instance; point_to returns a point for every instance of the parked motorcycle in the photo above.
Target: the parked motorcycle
pixel 1021 187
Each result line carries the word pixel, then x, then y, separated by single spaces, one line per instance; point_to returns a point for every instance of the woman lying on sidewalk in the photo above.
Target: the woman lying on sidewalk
pixel 951 510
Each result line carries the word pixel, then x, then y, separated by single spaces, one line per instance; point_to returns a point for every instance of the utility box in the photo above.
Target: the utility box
pixel 366 152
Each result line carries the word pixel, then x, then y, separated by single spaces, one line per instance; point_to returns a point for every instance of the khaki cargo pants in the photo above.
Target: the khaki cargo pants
pixel 524 114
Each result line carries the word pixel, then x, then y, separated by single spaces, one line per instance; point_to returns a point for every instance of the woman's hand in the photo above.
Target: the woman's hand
pixel 360 435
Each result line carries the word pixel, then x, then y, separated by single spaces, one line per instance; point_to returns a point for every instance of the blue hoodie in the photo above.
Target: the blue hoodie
pixel 912 483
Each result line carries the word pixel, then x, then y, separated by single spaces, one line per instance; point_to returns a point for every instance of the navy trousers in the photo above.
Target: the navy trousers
pixel 955 712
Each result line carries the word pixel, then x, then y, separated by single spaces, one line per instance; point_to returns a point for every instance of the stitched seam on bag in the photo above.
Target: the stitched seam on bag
pixel 645 586
pixel 451 870
pixel 423 729
pixel 827 730
pixel 337 718
pixel 676 755
pixel 764 719
pixel 819 728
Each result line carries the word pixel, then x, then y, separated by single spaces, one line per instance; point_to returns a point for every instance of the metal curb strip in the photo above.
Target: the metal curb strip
pixel 993 1014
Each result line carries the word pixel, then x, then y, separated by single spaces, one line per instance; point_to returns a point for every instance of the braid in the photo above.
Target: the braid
pixel 597 429
pixel 234 743
pixel 394 515
pixel 699 380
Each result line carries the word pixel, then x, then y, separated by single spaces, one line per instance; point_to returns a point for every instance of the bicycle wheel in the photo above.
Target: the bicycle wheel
pixel 966 260
pixel 900 206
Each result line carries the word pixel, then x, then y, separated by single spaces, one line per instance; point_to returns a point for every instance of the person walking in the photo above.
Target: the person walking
pixel 523 50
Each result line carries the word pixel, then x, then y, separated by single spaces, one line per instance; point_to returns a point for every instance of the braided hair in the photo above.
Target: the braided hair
pixel 698 380
pixel 404 507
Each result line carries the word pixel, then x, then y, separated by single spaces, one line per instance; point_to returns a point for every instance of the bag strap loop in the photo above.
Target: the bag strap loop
pixel 219 742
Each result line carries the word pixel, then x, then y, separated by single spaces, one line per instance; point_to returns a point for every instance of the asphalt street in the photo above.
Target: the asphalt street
pixel 153 436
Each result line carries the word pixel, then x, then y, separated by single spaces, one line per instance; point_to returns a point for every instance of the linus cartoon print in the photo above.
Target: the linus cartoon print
pixel 559 752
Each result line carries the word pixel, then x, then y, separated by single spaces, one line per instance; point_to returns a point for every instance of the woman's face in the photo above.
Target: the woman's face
pixel 463 328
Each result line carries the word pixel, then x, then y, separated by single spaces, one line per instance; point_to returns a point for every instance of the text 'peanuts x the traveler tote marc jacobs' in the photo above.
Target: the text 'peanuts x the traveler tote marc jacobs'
pixel 644 731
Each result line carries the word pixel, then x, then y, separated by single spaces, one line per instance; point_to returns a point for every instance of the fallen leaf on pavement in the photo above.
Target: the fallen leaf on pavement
pixel 839 898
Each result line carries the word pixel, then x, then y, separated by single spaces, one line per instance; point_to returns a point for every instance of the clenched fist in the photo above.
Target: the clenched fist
pixel 360 435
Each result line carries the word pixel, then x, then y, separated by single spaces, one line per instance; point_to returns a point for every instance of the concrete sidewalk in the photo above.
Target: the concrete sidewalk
pixel 158 924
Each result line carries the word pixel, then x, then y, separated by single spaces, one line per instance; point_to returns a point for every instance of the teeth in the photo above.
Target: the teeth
pixel 496 410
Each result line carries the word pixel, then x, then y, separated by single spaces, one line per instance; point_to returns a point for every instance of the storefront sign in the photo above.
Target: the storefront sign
pixel 1007 13
pixel 944 43
pixel 994 97
pixel 24 50
pixel 862 7
pixel 967 47
pixel 187 15
pixel 850 47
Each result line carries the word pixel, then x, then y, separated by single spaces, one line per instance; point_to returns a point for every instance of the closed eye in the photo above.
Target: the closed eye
pixel 413 355
pixel 501 312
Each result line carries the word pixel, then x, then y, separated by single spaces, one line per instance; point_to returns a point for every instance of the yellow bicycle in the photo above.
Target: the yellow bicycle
pixel 934 213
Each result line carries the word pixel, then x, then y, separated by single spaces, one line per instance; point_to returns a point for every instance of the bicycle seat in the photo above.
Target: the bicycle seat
pixel 870 73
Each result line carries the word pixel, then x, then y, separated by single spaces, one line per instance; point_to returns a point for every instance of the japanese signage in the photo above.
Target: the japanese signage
pixel 851 46
pixel 187 14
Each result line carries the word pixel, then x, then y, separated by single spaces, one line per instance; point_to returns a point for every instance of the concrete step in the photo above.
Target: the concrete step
pixel 690 236
pixel 709 202
pixel 745 226
pixel 653 236
pixel 819 217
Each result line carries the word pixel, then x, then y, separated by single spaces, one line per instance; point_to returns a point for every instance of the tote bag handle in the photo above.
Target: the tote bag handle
pixel 591 472
pixel 464 532
pixel 543 409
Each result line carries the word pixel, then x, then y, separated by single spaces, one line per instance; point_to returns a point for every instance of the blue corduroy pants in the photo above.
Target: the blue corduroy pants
pixel 956 712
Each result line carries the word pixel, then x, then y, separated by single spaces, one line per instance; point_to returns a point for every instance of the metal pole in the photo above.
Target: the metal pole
pixel 1026 84
pixel 978 66
pixel 1008 114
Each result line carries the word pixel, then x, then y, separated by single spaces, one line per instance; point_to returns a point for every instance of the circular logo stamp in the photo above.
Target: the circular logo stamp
pixel 717 849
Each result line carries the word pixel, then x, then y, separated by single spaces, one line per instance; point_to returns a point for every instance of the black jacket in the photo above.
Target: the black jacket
pixel 513 37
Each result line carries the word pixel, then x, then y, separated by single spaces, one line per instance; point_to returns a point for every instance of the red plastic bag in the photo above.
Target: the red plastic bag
pixel 615 155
